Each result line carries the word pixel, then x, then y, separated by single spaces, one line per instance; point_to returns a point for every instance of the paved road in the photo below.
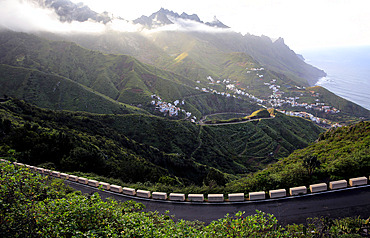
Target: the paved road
pixel 334 204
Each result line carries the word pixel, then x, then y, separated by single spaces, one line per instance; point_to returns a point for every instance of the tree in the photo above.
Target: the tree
pixel 311 163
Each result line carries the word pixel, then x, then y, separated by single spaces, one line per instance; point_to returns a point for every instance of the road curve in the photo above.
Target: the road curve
pixel 352 201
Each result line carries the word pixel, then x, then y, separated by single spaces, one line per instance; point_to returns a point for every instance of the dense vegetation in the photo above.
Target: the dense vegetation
pixel 141 148
pixel 341 153
pixel 36 206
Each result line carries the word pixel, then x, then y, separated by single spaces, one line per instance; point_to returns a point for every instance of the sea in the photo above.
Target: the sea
pixel 348 71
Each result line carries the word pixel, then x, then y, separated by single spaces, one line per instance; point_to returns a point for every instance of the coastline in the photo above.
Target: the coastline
pixel 348 74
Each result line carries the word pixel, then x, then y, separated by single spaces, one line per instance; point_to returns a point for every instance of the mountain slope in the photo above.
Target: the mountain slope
pixel 341 153
pixel 147 144
pixel 119 77
pixel 58 93
pixel 148 45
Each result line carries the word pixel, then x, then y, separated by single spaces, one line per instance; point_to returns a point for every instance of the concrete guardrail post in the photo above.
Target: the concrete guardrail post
pixel 93 183
pixel 236 197
pixel 129 191
pixel 115 188
pixel 105 186
pixel 177 197
pixel 159 195
pixel 277 193
pixel 196 197
pixel 319 187
pixel 143 193
pixel 216 198
pixel 82 180
pixel 64 176
pixel 338 184
pixel 357 181
pixel 73 178
pixel 298 190
pixel 257 195
pixel 55 174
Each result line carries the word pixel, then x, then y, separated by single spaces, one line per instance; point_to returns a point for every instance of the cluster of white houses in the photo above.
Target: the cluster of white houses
pixel 229 84
pixel 180 197
pixel 276 100
pixel 307 115
pixel 171 109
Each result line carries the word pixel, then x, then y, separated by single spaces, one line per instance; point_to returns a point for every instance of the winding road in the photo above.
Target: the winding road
pixel 353 201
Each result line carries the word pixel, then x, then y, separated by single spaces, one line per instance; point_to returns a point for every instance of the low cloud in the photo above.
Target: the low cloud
pixel 28 16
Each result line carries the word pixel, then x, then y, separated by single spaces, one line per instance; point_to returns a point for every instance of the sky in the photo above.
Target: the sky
pixel 304 24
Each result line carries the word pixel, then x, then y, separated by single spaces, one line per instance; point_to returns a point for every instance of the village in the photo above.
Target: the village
pixel 170 109
pixel 275 100
pixel 317 120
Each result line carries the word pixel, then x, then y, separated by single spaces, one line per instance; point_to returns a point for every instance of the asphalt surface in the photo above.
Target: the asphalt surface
pixel 334 204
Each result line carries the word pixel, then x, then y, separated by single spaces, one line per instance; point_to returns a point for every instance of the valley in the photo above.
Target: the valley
pixel 151 120
pixel 168 103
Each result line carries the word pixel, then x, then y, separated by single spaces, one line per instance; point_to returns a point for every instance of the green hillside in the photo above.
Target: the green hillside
pixel 58 93
pixel 111 75
pixel 349 108
pixel 119 78
pixel 341 153
pixel 145 148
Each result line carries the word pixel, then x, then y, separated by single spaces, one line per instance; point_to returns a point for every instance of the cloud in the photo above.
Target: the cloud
pixel 28 16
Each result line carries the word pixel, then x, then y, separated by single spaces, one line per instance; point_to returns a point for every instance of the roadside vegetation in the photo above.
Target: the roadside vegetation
pixel 33 205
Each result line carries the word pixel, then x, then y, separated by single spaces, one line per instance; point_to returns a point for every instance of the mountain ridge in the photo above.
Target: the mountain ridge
pixel 273 55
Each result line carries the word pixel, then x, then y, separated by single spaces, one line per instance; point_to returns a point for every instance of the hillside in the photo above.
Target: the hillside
pixel 350 108
pixel 111 75
pixel 118 78
pixel 111 79
pixel 338 154
pixel 56 92
pixel 145 148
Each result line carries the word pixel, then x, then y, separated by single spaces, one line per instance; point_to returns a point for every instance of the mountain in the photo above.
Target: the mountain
pixel 216 23
pixel 69 11
pixel 166 17
pixel 273 55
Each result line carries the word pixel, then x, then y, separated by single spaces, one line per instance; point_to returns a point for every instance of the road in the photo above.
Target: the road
pixel 231 123
pixel 334 204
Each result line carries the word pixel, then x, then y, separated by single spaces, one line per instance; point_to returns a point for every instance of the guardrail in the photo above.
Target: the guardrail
pixel 204 198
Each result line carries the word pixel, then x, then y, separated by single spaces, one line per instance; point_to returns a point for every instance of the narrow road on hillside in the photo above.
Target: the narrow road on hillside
pixel 231 123
pixel 334 204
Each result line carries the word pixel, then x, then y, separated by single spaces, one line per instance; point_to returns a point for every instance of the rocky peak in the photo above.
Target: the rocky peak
pixel 193 17
pixel 216 23
pixel 163 16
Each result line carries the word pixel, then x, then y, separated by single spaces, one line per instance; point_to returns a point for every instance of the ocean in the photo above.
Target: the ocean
pixel 348 72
